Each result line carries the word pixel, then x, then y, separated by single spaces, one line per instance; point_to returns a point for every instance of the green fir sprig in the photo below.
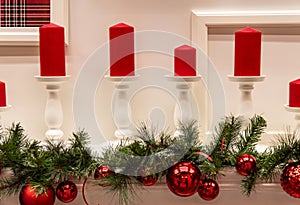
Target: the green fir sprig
pixel 148 153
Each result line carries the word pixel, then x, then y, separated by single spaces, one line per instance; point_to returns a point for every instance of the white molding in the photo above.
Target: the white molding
pixel 29 36
pixel 203 20
pixel 287 22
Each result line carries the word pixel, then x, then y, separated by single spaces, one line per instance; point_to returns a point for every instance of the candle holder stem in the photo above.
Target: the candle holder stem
pixel 53 109
pixel 121 108
pixel 296 111
pixel 121 112
pixel 297 118
pixel 53 113
pixel 246 87
pixel 3 109
pixel 246 102
pixel 184 109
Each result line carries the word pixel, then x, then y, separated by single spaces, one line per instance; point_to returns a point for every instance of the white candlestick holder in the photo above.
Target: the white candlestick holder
pixel 246 86
pixel 121 108
pixel 184 110
pixel 2 110
pixel 53 109
pixel 296 111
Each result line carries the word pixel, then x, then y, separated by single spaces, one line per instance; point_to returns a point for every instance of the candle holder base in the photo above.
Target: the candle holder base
pixel 121 108
pixel 53 110
pixel 184 109
pixel 5 108
pixel 295 110
pixel 54 134
pixel 186 79
pixel 52 79
pixel 246 79
pixel 123 133
pixel 246 86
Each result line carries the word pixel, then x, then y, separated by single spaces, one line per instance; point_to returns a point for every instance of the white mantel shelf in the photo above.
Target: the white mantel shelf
pixel 159 194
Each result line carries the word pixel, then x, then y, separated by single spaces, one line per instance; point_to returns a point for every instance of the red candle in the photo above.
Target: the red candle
pixel 185 61
pixel 121 50
pixel 52 50
pixel 294 94
pixel 2 94
pixel 247 52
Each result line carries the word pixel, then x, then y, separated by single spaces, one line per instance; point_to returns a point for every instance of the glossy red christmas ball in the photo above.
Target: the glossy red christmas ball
pixel 183 179
pixel 66 191
pixel 246 164
pixel 101 172
pixel 290 179
pixel 209 189
pixel 28 196
pixel 148 180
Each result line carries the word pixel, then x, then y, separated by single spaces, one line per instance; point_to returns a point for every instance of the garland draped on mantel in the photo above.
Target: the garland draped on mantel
pixel 150 156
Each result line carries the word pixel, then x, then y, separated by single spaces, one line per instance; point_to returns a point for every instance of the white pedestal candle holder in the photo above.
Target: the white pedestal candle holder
pixel 121 108
pixel 53 109
pixel 2 110
pixel 184 108
pixel 246 86
pixel 295 110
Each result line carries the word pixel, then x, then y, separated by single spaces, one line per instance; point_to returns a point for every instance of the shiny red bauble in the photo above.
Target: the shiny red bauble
pixel 209 189
pixel 29 196
pixel 101 172
pixel 246 164
pixel 183 179
pixel 148 180
pixel 290 179
pixel 66 191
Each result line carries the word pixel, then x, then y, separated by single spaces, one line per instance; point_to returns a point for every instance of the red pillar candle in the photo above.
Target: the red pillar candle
pixel 121 46
pixel 247 52
pixel 2 94
pixel 294 93
pixel 52 50
pixel 185 61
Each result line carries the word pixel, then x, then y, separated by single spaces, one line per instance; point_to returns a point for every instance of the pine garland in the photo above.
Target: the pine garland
pixel 43 164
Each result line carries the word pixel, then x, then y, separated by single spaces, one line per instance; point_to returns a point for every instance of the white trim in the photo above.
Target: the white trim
pixel 201 21
pixel 29 36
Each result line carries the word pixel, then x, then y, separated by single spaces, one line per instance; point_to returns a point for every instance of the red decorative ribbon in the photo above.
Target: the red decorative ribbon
pixel 83 192
pixel 205 155
pixel 223 144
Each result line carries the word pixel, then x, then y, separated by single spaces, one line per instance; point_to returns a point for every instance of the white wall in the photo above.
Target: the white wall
pixel 89 23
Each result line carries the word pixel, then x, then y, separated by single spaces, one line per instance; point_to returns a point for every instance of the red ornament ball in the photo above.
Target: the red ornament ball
pixel 246 164
pixel 290 179
pixel 148 180
pixel 183 179
pixel 208 189
pixel 101 172
pixel 29 196
pixel 66 191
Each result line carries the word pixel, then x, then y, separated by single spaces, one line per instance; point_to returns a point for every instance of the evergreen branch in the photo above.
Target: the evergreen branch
pixel 251 135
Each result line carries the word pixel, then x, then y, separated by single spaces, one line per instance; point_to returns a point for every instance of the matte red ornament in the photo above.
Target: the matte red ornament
pixel 246 164
pixel 28 196
pixel 185 61
pixel 101 172
pixel 209 189
pixel 247 52
pixel 183 179
pixel 121 47
pixel 66 191
pixel 294 93
pixel 290 179
pixel 52 50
